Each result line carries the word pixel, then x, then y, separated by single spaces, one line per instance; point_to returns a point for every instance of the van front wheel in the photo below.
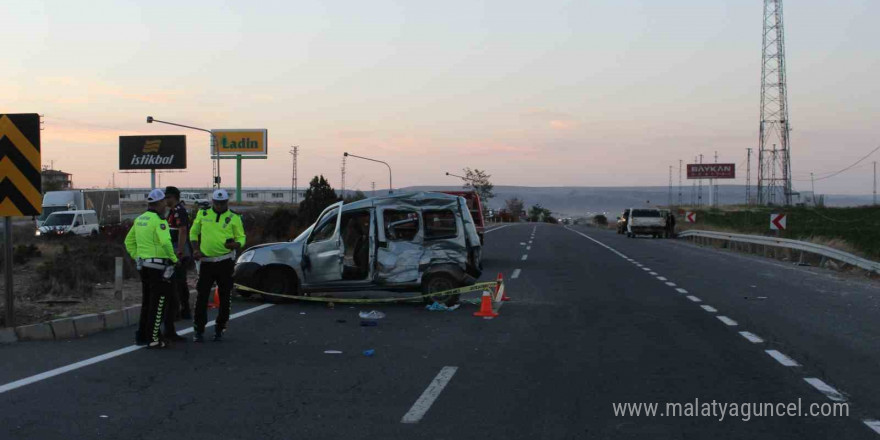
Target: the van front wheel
pixel 438 283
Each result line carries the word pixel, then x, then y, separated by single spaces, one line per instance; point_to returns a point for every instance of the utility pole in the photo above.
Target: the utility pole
pixel 715 185
pixel 342 194
pixel 373 189
pixel 700 187
pixel 774 124
pixel 669 196
pixel 694 188
pixel 813 186
pixel 875 182
pixel 294 197
pixel 679 182
pixel 748 176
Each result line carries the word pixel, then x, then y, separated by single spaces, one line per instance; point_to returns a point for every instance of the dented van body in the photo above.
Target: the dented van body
pixel 416 241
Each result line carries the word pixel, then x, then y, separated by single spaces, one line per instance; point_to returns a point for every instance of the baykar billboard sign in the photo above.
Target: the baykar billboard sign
pixel 711 171
pixel 152 152
pixel 252 142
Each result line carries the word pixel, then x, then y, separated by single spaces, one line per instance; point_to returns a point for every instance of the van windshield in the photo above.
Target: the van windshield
pixel 59 220
pixel 646 213
pixel 50 209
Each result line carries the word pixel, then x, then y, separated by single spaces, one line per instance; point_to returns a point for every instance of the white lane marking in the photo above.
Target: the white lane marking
pixel 423 404
pixel 528 248
pixel 753 338
pixel 116 353
pixel 873 424
pixel 597 242
pixel 709 309
pixel 522 243
pixel 694 298
pixel 495 229
pixel 515 274
pixel 670 284
pixel 525 257
pixel 647 269
pixel 727 320
pixel 652 273
pixel 783 359
pixel 680 290
pixel 661 278
pixel 828 391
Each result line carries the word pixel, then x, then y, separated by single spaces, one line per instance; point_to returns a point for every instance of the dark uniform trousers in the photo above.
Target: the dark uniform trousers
pixel 154 305
pixel 219 272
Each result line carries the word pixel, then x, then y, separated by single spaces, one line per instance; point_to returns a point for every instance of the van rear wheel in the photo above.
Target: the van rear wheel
pixel 438 283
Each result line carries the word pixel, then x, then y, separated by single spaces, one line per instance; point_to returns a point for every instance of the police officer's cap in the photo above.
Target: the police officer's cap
pixel 156 195
pixel 220 195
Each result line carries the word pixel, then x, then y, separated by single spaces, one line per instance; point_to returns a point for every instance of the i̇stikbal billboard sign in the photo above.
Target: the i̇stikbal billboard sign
pixel 166 152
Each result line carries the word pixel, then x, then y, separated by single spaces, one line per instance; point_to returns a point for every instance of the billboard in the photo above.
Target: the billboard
pixel 166 152
pixel 252 142
pixel 711 171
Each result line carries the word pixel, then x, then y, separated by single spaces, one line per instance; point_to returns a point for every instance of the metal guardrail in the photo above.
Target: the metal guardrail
pixel 803 246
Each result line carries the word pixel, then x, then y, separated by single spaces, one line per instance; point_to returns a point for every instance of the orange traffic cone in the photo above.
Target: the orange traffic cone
pixel 499 288
pixel 215 303
pixel 486 307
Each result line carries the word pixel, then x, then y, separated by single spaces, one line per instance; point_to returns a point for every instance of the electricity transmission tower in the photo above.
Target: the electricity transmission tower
pixel 774 166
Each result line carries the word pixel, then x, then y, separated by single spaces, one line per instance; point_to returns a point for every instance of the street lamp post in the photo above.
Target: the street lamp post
pixel 150 120
pixel 390 186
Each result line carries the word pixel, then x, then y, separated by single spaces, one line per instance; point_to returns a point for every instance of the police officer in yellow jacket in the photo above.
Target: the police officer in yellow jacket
pixel 149 243
pixel 216 234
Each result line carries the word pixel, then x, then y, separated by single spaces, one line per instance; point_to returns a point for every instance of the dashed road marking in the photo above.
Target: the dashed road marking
pixel 753 338
pixel 528 248
pixel 727 321
pixel 661 278
pixel 709 309
pixel 670 284
pixel 680 290
pixel 694 298
pixel 652 273
pixel 106 356
pixel 647 269
pixel 827 390
pixel 873 424
pixel 783 359
pixel 515 274
pixel 423 404
pixel 525 257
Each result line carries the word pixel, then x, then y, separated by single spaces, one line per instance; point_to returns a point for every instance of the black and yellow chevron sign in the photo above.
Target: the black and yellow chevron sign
pixel 20 180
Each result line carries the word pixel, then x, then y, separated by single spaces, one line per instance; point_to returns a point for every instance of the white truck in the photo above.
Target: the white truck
pixel 105 203
pixel 645 222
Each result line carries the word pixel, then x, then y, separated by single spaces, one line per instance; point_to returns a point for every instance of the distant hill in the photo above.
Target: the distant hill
pixel 579 200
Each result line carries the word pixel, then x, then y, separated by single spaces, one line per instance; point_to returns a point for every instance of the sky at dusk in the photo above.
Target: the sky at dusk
pixel 539 93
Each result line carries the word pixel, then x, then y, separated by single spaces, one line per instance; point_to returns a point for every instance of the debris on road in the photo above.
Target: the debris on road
pixel 437 307
pixel 372 315
pixel 369 353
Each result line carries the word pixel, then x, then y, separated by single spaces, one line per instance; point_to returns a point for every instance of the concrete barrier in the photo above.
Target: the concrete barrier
pixel 132 315
pixel 8 336
pixel 114 319
pixel 88 324
pixel 63 328
pixel 35 332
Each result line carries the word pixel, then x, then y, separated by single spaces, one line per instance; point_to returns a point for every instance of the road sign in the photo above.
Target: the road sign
pixel 241 142
pixel 20 179
pixel 690 216
pixel 711 171
pixel 152 152
pixel 777 222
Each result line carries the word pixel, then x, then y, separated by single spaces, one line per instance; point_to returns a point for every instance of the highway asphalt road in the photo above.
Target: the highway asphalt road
pixel 587 328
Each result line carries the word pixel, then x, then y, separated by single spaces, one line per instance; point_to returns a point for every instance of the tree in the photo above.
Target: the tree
pixel 478 180
pixel 319 196
pixel 358 195
pixel 514 206
pixel 538 213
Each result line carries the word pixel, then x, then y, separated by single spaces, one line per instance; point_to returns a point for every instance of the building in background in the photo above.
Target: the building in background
pixel 55 180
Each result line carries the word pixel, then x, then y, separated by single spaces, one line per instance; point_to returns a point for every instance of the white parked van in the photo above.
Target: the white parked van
pixel 82 222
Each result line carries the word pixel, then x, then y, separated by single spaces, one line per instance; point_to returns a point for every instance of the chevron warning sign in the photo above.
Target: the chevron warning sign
pixel 20 180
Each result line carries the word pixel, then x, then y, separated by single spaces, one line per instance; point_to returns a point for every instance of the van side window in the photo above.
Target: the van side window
pixel 440 224
pixel 400 225
pixel 325 230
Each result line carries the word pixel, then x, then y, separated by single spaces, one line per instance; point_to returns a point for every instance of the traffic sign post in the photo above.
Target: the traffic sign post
pixel 20 183
pixel 690 216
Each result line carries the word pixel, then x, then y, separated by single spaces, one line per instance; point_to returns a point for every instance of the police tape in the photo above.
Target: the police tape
pixel 489 285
